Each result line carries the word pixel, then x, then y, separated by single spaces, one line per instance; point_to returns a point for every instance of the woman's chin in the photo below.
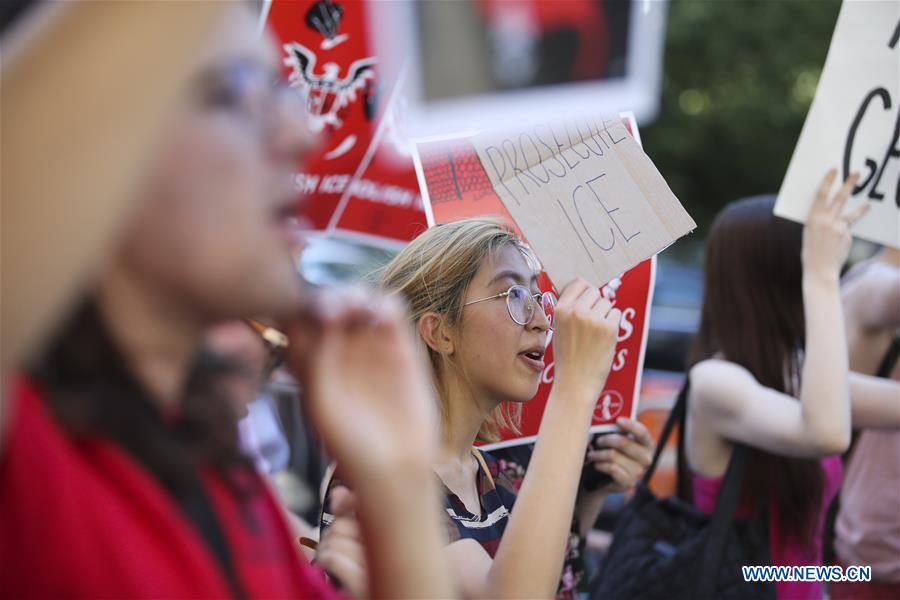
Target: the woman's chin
pixel 525 393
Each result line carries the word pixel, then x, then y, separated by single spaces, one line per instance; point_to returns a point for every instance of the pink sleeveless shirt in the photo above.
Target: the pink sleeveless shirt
pixel 783 552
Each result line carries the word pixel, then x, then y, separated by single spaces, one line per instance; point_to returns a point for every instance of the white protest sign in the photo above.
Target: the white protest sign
pixel 854 122
pixel 586 197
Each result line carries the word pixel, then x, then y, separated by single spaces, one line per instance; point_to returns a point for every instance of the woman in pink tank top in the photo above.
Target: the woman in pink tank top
pixel 769 370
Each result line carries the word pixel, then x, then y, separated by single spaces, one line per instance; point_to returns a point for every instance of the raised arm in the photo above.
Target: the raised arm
pixel 875 402
pixel 873 300
pixel 730 400
pixel 529 560
pixel 623 456
pixel 367 395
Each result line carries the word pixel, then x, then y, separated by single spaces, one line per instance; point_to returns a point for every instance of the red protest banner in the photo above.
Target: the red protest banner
pixel 362 182
pixel 455 186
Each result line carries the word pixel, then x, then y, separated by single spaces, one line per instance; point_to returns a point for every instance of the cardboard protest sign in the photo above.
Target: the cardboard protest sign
pixel 854 122
pixel 585 195
pixel 455 186
pixel 361 183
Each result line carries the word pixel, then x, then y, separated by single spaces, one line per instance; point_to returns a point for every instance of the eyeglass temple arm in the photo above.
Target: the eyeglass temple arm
pixel 270 334
pixel 500 295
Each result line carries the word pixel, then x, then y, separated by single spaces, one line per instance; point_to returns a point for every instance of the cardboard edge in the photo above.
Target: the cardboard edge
pixel 651 290
pixel 423 188
pixel 378 241
pixel 619 119
pixel 420 170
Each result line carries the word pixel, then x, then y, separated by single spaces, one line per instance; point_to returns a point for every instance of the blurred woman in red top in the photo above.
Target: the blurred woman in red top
pixel 120 473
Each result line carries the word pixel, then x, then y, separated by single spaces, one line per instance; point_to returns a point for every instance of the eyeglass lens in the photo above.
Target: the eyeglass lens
pixel 520 306
pixel 520 302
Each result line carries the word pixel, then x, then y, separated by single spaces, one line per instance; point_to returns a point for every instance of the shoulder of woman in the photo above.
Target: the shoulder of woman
pixel 719 385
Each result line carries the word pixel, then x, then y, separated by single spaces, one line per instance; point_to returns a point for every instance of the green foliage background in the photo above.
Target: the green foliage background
pixel 739 76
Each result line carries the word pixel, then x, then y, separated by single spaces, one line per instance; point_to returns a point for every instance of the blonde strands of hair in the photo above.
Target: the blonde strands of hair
pixel 432 274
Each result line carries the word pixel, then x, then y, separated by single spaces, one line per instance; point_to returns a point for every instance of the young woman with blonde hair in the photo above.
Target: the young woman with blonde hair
pixel 471 287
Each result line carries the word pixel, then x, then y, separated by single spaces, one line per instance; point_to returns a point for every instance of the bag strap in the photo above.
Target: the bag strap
pixel 481 461
pixel 890 358
pixel 196 505
pixel 726 503
pixel 722 517
pixel 721 521
pixel 676 415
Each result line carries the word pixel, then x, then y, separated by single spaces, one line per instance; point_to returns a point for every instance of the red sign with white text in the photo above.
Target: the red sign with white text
pixel 456 187
pixel 361 182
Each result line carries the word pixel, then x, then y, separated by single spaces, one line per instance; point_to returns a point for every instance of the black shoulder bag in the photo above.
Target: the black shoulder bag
pixel 667 548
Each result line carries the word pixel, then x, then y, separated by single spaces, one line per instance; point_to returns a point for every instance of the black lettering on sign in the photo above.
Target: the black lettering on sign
pixel 593 137
pixel 893 151
pixel 572 225
pixel 507 145
pixel 609 133
pixel 584 156
pixel 552 153
pixel 851 137
pixel 612 236
pixel 599 133
pixel 609 211
pixel 499 175
pixel 536 151
pixel 875 169
pixel 560 146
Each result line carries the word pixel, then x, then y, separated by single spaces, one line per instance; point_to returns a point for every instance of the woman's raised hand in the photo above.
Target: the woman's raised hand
pixel 585 326
pixel 341 552
pixel 826 235
pixel 365 387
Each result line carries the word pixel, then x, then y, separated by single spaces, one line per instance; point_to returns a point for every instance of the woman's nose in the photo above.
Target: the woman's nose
pixel 539 320
pixel 292 138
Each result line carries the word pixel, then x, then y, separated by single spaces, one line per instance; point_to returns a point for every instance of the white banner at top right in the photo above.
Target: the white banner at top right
pixel 854 122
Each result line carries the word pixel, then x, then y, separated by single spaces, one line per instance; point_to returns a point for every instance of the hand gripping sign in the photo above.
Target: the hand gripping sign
pixel 854 122
pixel 456 186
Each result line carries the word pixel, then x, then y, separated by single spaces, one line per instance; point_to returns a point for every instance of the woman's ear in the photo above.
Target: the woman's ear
pixel 435 333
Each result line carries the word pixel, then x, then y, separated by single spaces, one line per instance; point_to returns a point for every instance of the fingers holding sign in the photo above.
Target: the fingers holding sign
pixel 584 339
pixel 341 552
pixel 623 456
pixel 826 235
pixel 355 355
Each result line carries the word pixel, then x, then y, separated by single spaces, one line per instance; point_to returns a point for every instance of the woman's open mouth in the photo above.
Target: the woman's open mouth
pixel 534 358
pixel 286 221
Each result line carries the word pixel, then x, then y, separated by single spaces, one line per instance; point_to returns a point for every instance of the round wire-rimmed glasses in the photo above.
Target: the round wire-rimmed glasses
pixel 520 303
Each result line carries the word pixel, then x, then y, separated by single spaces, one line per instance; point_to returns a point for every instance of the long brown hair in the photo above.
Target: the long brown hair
pixel 753 316
pixel 90 391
